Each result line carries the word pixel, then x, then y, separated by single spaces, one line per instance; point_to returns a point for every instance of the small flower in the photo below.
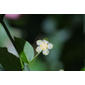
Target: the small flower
pixel 43 46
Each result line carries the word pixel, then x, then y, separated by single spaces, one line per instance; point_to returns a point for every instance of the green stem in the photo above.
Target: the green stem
pixel 10 37
pixel 21 63
pixel 35 57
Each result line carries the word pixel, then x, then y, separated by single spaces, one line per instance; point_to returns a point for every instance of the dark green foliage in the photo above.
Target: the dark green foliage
pixel 1 17
pixel 9 61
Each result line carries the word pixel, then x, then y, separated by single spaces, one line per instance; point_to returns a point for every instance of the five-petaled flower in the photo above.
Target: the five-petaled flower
pixel 44 46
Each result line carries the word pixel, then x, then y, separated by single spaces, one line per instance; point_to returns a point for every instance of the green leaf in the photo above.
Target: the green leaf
pixel 26 67
pixel 24 49
pixel 1 68
pixel 3 37
pixel 9 61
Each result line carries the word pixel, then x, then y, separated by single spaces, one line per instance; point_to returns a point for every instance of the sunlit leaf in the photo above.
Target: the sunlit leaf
pixel 3 37
pixel 25 50
pixel 26 67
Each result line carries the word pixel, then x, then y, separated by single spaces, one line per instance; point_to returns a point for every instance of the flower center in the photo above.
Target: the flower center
pixel 44 46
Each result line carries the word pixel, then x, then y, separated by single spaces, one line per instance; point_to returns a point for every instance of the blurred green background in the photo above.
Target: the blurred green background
pixel 65 31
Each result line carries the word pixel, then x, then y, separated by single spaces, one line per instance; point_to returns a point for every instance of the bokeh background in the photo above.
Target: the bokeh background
pixel 65 31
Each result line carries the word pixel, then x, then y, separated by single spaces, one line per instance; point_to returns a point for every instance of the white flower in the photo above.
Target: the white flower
pixel 46 52
pixel 43 46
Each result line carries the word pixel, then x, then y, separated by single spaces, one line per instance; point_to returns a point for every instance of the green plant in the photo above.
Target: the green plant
pixel 24 50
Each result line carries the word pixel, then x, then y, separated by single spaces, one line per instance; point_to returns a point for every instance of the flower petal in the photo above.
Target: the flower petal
pixel 50 46
pixel 38 49
pixel 39 42
pixel 45 41
pixel 46 52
